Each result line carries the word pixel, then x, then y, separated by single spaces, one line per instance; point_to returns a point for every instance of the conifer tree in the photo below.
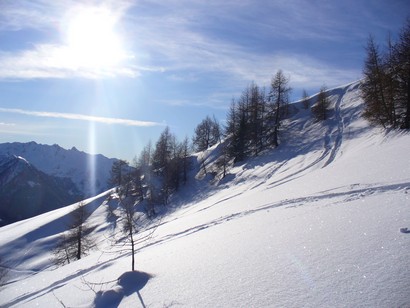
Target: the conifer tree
pixel 118 172
pixel 162 151
pixel 207 134
pixel 238 139
pixel 401 65
pixel 257 107
pixel 321 109
pixel 379 104
pixel 185 159
pixel 278 103
pixel 391 77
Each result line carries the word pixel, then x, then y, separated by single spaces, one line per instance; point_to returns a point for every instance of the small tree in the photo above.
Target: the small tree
pixel 321 108
pixel 75 243
pixel 132 223
pixel 207 133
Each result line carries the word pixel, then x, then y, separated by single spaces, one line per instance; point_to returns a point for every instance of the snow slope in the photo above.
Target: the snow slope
pixel 315 223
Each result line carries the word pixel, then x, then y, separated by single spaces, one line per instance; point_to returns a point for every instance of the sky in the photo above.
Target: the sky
pixel 107 77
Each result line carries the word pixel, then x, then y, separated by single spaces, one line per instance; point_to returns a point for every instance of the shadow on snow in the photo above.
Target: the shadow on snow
pixel 127 284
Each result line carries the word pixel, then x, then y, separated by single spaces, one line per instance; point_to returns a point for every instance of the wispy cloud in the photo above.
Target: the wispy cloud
pixel 7 124
pixel 225 38
pixel 53 61
pixel 45 14
pixel 81 117
pixel 191 39
pixel 17 15
pixel 241 39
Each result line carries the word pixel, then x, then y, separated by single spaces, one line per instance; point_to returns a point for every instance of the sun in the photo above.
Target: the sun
pixel 91 39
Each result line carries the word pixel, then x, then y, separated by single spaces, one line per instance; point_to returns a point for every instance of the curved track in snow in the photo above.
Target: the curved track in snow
pixel 333 139
pixel 339 131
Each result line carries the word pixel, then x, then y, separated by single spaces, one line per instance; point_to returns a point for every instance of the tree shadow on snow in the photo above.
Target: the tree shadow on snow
pixel 127 284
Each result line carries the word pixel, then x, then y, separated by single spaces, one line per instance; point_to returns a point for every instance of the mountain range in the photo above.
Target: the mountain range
pixel 35 178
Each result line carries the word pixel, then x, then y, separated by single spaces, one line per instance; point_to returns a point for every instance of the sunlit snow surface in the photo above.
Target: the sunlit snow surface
pixel 314 223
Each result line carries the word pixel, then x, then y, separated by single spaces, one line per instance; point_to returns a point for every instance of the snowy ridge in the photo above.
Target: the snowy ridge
pixel 25 191
pixel 6 161
pixel 89 173
pixel 317 222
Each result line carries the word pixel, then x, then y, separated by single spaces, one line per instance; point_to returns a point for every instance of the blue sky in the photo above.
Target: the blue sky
pixel 108 76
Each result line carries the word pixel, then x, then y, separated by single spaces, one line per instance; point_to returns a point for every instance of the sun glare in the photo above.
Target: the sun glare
pixel 91 39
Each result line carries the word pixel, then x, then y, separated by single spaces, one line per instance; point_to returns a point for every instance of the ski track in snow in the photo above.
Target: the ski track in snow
pixel 339 131
pixel 332 144
pixel 29 296
pixel 351 193
pixel 343 195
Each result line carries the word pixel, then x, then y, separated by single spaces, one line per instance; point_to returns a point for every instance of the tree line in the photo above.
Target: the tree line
pixel 255 120
pixel 156 172
pixel 254 123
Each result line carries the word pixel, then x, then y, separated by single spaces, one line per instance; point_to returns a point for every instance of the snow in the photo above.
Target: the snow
pixel 32 183
pixel 322 221
pixel 23 159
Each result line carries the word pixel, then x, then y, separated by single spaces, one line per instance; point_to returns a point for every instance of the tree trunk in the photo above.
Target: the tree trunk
pixel 407 119
pixel 132 253
pixel 79 235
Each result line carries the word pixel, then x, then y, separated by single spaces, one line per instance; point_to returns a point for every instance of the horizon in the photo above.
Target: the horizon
pixel 106 77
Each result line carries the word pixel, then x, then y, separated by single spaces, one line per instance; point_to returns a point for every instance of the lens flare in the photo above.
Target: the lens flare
pixel 92 189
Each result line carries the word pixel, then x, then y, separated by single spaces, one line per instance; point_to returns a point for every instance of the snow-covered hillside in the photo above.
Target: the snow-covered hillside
pixel 88 172
pixel 321 221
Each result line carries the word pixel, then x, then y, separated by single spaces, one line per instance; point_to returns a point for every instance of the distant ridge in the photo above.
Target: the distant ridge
pixel 88 172
pixel 26 192
pixel 36 178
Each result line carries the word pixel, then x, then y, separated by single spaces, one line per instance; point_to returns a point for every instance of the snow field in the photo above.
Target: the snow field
pixel 314 223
